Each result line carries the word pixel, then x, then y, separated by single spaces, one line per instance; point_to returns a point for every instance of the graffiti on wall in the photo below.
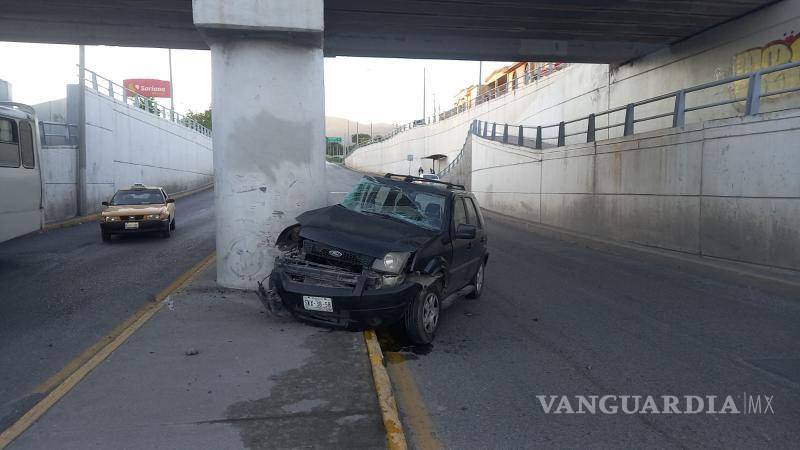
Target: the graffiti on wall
pixel 777 52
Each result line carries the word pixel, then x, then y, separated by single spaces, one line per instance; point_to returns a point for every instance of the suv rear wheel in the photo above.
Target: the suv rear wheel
pixel 422 318
pixel 478 281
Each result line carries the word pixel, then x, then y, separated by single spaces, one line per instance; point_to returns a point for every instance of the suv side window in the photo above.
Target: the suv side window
pixel 459 215
pixel 472 215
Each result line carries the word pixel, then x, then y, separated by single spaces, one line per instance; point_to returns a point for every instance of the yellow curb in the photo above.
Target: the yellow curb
pixel 395 438
pixel 136 322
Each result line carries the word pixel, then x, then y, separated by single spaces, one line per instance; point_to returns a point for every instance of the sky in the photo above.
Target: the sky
pixel 362 89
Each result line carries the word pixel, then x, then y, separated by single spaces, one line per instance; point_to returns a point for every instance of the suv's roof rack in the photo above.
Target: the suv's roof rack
pixel 409 179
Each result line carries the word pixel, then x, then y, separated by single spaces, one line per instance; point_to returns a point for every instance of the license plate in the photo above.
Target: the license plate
pixel 317 303
pixel 131 225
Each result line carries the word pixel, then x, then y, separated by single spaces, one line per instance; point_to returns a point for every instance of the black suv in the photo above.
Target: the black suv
pixel 396 248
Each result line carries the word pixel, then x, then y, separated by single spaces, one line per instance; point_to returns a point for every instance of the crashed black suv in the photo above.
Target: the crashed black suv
pixel 395 249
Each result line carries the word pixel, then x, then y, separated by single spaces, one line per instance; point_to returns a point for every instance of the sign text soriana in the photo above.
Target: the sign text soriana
pixel 147 87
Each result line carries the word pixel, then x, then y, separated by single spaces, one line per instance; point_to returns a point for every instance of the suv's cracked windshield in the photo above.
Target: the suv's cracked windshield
pixel 419 208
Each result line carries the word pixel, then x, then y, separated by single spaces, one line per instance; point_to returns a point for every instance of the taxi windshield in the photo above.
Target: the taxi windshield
pixel 138 197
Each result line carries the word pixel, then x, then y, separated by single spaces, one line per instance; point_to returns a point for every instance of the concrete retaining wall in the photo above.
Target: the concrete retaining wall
pixel 740 46
pixel 58 175
pixel 126 145
pixel 724 188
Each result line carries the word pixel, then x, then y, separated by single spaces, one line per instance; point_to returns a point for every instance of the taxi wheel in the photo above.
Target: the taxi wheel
pixel 172 225
pixel 166 232
pixel 106 237
pixel 422 317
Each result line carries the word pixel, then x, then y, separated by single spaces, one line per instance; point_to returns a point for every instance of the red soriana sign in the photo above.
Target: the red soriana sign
pixel 147 87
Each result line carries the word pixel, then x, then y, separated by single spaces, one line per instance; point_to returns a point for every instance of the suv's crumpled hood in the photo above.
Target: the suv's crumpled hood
pixel 367 234
pixel 133 210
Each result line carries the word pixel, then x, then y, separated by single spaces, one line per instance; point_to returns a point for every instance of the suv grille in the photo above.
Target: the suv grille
pixel 327 254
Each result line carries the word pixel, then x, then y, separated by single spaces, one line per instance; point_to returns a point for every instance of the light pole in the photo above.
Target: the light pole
pixel 171 87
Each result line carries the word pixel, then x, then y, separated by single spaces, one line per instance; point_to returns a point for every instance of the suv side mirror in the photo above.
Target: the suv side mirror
pixel 104 203
pixel 465 231
pixel 170 200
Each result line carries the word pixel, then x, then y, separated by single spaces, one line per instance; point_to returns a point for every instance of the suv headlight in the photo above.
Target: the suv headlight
pixel 152 216
pixel 111 218
pixel 392 262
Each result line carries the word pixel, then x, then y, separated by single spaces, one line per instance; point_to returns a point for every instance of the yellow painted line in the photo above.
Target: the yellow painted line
pixel 81 370
pixel 395 438
pixel 423 432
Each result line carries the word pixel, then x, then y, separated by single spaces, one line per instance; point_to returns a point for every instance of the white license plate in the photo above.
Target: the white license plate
pixel 317 303
pixel 131 225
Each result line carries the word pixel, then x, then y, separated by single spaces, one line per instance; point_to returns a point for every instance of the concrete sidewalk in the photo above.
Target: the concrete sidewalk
pixel 255 382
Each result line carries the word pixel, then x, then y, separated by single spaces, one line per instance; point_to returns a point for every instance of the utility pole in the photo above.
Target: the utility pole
pixel 171 88
pixel 80 182
pixel 423 93
pixel 480 73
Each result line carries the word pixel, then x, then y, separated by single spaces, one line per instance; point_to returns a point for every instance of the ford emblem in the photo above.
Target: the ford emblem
pixel 335 253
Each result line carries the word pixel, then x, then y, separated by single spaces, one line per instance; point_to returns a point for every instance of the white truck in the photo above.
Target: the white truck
pixel 21 191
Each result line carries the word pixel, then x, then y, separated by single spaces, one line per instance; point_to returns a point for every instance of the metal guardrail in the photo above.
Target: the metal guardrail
pixel 527 77
pixel 58 133
pixel 106 87
pixel 752 105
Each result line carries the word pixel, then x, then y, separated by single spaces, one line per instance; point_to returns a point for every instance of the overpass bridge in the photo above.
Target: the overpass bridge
pixel 284 42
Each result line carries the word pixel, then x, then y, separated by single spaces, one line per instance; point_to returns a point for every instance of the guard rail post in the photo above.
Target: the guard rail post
pixel 538 145
pixel 628 130
pixel 679 115
pixel 753 94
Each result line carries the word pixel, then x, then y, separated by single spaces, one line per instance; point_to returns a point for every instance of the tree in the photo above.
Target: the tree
pixel 203 118
pixel 360 138
pixel 146 103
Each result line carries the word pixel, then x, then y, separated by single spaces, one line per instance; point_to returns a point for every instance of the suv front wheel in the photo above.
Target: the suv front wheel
pixel 422 317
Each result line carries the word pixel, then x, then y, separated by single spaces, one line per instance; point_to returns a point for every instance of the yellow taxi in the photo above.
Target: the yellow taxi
pixel 138 209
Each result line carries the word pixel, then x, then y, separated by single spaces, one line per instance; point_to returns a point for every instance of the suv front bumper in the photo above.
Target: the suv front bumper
pixel 355 305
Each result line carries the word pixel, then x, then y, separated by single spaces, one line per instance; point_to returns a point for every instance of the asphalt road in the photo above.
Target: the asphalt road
pixel 64 289
pixel 561 319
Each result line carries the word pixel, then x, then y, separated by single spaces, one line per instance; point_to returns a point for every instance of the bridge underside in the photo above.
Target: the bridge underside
pixel 609 31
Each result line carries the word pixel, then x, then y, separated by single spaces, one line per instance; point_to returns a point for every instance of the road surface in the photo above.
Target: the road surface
pixel 558 318
pixel 64 290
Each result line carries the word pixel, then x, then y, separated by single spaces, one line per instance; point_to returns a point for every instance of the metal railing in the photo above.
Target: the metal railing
pixel 498 91
pixel 58 133
pixel 106 87
pixel 535 137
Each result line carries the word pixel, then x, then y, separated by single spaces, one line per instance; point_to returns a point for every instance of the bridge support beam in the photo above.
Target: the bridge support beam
pixel 269 125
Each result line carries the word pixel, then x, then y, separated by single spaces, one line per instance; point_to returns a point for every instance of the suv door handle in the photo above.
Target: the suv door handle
pixel 469 246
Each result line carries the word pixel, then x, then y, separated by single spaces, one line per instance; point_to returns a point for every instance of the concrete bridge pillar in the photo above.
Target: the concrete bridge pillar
pixel 269 125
